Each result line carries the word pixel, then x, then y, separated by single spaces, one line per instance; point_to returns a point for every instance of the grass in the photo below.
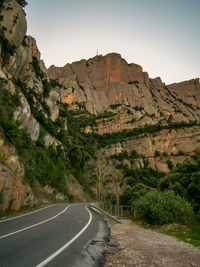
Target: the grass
pixel 188 233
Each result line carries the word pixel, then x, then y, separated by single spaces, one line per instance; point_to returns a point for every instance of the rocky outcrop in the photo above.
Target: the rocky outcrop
pixel 9 157
pixel 23 114
pixel 103 81
pixel 132 100
pixel 23 76
pixel 13 194
pixel 13 22
pixel 52 102
pixel 110 83
pixel 175 144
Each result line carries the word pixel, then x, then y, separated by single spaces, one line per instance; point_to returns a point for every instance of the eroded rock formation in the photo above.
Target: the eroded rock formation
pixel 109 84
pixel 109 80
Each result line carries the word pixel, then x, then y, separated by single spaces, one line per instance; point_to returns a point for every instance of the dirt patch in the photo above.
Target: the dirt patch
pixel 136 246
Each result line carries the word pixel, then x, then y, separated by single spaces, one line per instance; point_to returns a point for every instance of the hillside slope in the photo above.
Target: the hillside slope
pixel 34 162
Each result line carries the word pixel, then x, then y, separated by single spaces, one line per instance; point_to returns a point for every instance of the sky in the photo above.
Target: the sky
pixel 163 36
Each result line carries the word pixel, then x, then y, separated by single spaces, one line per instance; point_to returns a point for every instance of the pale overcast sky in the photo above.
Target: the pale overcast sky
pixel 163 36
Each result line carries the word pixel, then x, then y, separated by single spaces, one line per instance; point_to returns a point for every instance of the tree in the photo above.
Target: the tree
pixel 103 172
pixel 117 178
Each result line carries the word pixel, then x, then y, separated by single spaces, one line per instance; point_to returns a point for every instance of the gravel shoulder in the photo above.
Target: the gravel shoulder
pixel 136 246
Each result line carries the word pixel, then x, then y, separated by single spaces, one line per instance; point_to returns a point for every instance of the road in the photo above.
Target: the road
pixel 57 235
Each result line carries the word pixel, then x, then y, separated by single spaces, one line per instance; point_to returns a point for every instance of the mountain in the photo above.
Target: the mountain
pixel 123 97
pixel 67 132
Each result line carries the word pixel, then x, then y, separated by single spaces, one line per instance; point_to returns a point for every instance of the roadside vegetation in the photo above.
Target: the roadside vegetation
pixel 10 213
pixel 170 202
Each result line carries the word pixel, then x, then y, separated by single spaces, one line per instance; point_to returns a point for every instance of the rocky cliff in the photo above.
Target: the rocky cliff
pixel 123 97
pixel 31 168
pixel 104 82
pixel 13 193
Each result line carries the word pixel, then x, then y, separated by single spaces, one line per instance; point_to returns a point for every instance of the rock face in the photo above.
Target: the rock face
pixel 133 100
pixel 23 114
pixel 100 82
pixel 13 194
pixel 176 145
pixel 13 22
pixel 109 80
pixel 23 80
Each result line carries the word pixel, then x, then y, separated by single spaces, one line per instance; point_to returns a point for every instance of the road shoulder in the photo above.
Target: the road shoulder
pixel 136 246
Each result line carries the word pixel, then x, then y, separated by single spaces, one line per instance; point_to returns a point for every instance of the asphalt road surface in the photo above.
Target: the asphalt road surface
pixel 57 235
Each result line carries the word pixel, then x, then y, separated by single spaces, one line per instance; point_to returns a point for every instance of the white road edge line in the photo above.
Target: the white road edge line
pixel 13 218
pixel 67 244
pixel 31 226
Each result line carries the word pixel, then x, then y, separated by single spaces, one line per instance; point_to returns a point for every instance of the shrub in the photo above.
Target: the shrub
pixel 165 154
pixel 132 194
pixel 163 207
pixel 8 103
pixel 46 87
pixel 134 154
pixel 7 50
pixel 157 153
pixel 114 106
pixel 170 164
pixel 140 190
pixel 184 180
pixel 55 83
pixel 16 135
pixel 36 66
pixel 120 156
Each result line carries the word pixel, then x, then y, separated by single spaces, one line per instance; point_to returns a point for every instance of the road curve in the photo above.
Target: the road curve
pixel 56 235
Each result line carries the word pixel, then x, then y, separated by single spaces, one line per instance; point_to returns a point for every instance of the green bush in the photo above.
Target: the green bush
pixel 184 180
pixel 46 87
pixel 114 106
pixel 44 165
pixel 7 50
pixel 163 207
pixel 170 164
pixel 55 83
pixel 16 135
pixel 120 156
pixel 157 153
pixel 134 193
pixel 8 103
pixel 36 66
pixel 165 154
